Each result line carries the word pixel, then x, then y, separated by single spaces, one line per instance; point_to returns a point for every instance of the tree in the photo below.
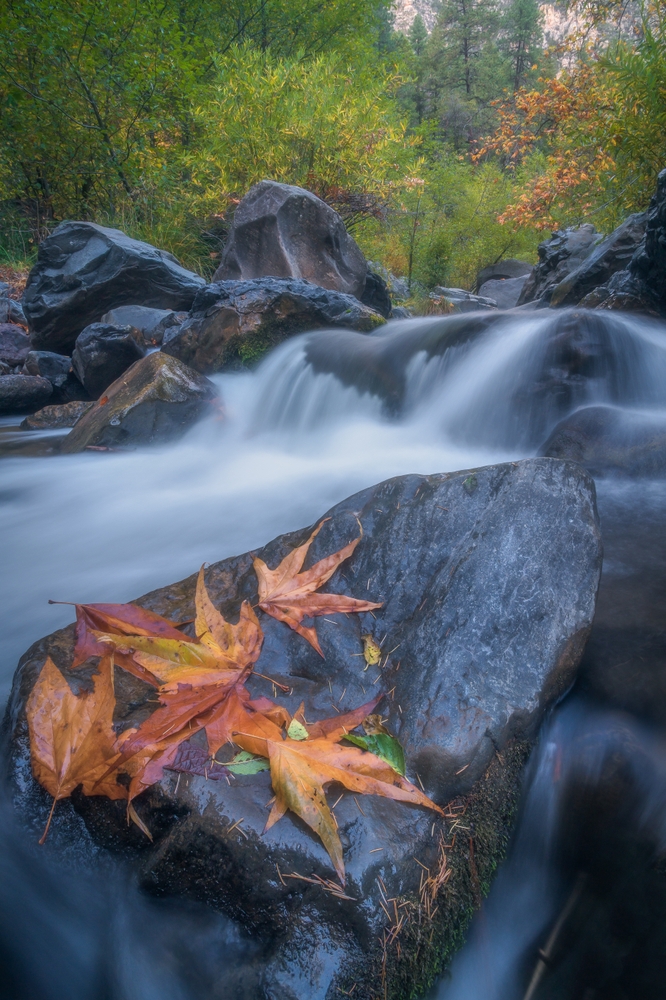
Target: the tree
pixel 523 39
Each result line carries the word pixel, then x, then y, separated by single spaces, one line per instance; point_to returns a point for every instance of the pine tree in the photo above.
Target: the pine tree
pixel 523 39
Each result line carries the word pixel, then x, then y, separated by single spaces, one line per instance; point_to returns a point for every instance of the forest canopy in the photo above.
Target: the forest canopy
pixel 444 151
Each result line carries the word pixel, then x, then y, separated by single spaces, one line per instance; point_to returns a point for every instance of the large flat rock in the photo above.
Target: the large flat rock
pixel 489 580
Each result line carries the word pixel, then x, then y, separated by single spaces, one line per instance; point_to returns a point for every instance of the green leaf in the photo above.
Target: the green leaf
pixel 384 746
pixel 297 730
pixel 247 763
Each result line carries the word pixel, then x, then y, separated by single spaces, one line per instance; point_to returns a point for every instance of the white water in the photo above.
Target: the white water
pixel 109 527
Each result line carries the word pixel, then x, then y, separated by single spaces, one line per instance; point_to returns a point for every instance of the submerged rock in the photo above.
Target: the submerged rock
pixel 155 400
pixel 283 231
pixel 23 393
pixel 102 353
pixel 234 323
pixel 83 270
pixel 58 417
pixel 488 579
pixel 611 441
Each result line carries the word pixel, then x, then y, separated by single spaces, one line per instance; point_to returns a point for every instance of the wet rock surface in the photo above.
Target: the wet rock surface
pixel 462 301
pixel 563 253
pixel 14 344
pixel 58 417
pixel 11 311
pixel 102 353
pixel 234 323
pixel 83 270
pixel 611 441
pixel 156 400
pixel 503 270
pixel 23 393
pixel 283 231
pixel 611 255
pixel 57 368
pixel 489 579
pixel 376 294
pixel 149 325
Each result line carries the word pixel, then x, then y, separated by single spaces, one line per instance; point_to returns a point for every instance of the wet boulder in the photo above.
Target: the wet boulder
pixel 23 393
pixel 611 255
pixel 57 368
pixel 83 270
pixel 234 323
pixel 156 400
pixel 14 344
pixel 283 231
pixel 563 253
pixel 102 353
pixel 504 291
pixel 376 294
pixel 57 417
pixel 611 441
pixel 149 325
pixel 11 311
pixel 488 580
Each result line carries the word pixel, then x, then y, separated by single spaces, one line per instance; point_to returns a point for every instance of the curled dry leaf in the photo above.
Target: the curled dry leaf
pixel 71 736
pixel 289 595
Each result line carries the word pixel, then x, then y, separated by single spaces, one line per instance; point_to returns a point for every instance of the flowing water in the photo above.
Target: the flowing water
pixel 325 415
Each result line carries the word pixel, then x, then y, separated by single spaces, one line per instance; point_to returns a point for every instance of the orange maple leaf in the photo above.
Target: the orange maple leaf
pixel 71 737
pixel 289 595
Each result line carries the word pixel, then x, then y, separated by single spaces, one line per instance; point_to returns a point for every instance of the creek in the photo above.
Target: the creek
pixel 323 416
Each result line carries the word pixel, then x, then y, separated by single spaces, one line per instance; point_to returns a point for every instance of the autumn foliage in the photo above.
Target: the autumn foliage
pixel 200 685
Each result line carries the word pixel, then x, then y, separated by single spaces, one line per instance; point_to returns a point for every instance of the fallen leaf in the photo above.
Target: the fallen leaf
pixel 371 650
pixel 373 726
pixel 296 730
pixel 382 745
pixel 71 736
pixel 289 595
pixel 247 763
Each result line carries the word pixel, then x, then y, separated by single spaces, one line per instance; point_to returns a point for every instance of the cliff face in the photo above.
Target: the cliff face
pixel 406 11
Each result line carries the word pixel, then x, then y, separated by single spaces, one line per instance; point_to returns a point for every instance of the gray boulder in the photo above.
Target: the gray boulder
pixel 648 265
pixel 14 344
pixel 376 294
pixel 57 368
pixel 148 324
pixel 564 252
pixel 461 300
pixel 102 353
pixel 23 393
pixel 503 270
pixel 488 579
pixel 282 231
pixel 611 441
pixel 234 323
pixel 504 291
pixel 56 417
pixel 611 255
pixel 156 400
pixel 83 270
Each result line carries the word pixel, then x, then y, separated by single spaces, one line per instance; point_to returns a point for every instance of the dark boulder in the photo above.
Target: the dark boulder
pixel 83 270
pixel 376 294
pixel 503 270
pixel 11 311
pixel 504 291
pixel 234 323
pixel 57 417
pixel 23 393
pixel 564 252
pixel 57 368
pixel 155 400
pixel 460 300
pixel 611 441
pixel 611 255
pixel 149 324
pixel 102 353
pixel 14 344
pixel 488 579
pixel 282 231
pixel 648 265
